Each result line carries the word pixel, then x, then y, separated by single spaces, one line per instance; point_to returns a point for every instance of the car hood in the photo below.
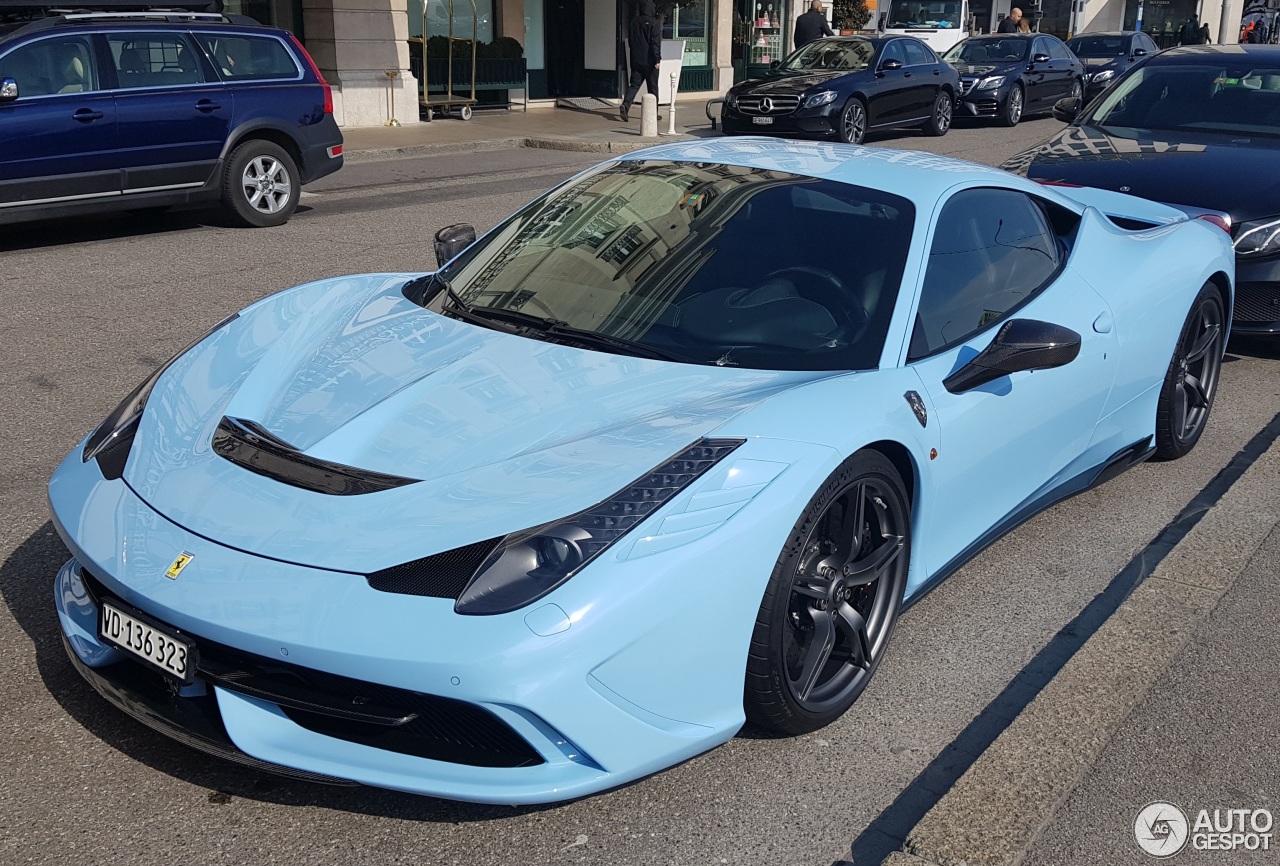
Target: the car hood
pixel 1232 174
pixel 500 432
pixel 788 84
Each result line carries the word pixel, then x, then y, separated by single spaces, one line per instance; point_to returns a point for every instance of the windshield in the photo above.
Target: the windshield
pixel 1099 46
pixel 716 264
pixel 848 55
pixel 978 51
pixel 916 14
pixel 1208 98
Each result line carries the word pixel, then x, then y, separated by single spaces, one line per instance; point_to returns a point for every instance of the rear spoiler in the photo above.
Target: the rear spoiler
pixel 1118 205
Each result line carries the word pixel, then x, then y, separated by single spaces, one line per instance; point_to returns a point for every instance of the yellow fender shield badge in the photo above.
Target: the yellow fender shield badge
pixel 180 563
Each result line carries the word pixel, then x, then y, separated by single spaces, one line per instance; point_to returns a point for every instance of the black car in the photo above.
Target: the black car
pixel 141 111
pixel 844 86
pixel 1008 76
pixel 1106 56
pixel 1199 127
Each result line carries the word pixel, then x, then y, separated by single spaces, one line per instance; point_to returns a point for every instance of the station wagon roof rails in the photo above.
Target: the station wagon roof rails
pixel 148 15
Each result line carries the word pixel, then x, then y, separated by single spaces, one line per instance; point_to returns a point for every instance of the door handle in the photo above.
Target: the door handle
pixel 937 72
pixel 207 105
pixel 84 115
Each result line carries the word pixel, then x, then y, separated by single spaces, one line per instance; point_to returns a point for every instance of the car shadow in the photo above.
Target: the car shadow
pixel 26 585
pixel 1255 347
pixel 104 227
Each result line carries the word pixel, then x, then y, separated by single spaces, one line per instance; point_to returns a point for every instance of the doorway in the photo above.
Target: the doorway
pixel 565 38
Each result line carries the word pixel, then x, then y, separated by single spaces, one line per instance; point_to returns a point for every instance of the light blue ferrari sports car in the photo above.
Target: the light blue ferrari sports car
pixel 666 451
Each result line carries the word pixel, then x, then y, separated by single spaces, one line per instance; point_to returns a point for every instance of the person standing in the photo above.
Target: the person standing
pixel 645 41
pixel 1010 23
pixel 811 25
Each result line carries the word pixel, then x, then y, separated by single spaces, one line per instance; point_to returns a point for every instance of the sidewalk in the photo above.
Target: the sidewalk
pixel 1170 701
pixel 597 131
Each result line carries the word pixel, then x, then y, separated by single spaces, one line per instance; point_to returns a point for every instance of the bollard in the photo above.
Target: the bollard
pixel 649 116
pixel 671 119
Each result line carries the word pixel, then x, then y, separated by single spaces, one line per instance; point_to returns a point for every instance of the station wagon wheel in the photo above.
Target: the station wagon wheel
pixel 832 600
pixel 1192 379
pixel 260 185
pixel 940 121
pixel 1012 111
pixel 852 125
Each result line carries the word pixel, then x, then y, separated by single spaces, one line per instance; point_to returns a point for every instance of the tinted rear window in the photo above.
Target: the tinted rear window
pixel 249 58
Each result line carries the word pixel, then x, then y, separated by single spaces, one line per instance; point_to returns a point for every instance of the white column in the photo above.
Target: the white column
pixel 354 42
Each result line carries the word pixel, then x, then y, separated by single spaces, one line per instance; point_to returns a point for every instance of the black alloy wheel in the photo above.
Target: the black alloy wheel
pixel 852 125
pixel 940 122
pixel 832 600
pixel 1011 111
pixel 1192 379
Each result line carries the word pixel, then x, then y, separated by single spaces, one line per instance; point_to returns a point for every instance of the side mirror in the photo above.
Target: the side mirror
pixel 890 65
pixel 1020 344
pixel 1040 58
pixel 1067 109
pixel 1139 52
pixel 774 64
pixel 8 90
pixel 452 240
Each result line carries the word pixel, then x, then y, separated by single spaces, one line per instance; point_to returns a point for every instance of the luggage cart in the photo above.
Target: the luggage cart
pixel 448 102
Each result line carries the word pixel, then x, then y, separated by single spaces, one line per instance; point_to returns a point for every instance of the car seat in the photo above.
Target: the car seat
pixel 70 68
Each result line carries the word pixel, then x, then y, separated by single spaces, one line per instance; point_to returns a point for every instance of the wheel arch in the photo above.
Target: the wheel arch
pixel 900 456
pixel 267 133
pixel 1222 283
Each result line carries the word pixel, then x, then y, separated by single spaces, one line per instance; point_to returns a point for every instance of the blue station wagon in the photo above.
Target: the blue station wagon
pixel 142 111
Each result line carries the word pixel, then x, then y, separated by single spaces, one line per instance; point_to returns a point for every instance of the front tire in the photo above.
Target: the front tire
pixel 852 124
pixel 260 185
pixel 1011 111
pixel 943 109
pixel 832 600
pixel 1192 378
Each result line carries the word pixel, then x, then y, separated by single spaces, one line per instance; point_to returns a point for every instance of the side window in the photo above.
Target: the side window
pixel 1149 45
pixel 154 59
pixel 918 54
pixel 249 58
pixel 893 51
pixel 1040 46
pixel 1058 51
pixel 992 250
pixel 62 64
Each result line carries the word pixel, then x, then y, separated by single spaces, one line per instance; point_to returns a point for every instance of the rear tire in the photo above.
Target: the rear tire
pixel 943 109
pixel 1014 103
pixel 833 599
pixel 1191 381
pixel 260 185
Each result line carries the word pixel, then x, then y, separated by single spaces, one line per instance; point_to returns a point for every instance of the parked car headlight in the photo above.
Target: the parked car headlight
pixel 1104 75
pixel 527 565
pixel 1258 237
pixel 821 98
pixel 990 82
pixel 123 420
pixel 731 100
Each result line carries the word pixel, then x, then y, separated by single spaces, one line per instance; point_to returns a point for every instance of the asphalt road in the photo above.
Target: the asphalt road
pixel 91 307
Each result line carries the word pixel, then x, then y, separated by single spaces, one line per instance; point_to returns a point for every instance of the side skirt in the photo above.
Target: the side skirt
pixel 1125 458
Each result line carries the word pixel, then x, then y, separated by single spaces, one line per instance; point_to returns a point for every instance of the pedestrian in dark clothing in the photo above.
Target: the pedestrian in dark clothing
pixel 645 39
pixel 1009 24
pixel 1190 33
pixel 811 25
pixel 1205 37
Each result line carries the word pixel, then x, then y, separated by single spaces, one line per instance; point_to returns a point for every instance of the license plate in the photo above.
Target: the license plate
pixel 762 121
pixel 155 645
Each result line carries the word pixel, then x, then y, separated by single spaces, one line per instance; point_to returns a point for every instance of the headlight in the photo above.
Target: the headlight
pixel 123 420
pixel 731 100
pixel 990 82
pixel 1104 75
pixel 1258 237
pixel 822 98
pixel 527 565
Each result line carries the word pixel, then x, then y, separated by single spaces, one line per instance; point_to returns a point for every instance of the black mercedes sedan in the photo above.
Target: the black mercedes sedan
pixel 1197 126
pixel 1008 76
pixel 843 87
pixel 1106 56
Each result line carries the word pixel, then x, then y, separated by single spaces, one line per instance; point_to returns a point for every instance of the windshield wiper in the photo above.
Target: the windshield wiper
pixel 549 327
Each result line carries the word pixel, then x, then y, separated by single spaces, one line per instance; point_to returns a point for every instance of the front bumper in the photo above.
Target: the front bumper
pixel 1257 298
pixel 820 122
pixel 616 675
pixel 982 103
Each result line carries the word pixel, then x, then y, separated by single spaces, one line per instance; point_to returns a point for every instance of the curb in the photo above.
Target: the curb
pixel 569 144
pixel 996 811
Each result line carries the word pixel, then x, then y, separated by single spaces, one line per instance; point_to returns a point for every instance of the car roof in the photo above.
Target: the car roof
pixel 982 37
pixel 1103 33
pixel 1191 54
pixel 160 20
pixel 915 175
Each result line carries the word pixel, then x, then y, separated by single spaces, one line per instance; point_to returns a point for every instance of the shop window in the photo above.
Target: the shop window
pixel 691 23
pixel 438 19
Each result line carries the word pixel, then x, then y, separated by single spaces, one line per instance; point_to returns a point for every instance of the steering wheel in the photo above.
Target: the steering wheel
pixel 836 298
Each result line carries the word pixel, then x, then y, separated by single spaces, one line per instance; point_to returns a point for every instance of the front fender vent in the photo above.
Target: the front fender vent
pixel 443 575
pixel 253 447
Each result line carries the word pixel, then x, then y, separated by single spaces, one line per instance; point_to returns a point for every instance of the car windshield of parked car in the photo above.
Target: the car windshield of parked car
pixel 910 13
pixel 697 262
pixel 1195 98
pixel 846 55
pixel 978 51
pixel 1100 46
